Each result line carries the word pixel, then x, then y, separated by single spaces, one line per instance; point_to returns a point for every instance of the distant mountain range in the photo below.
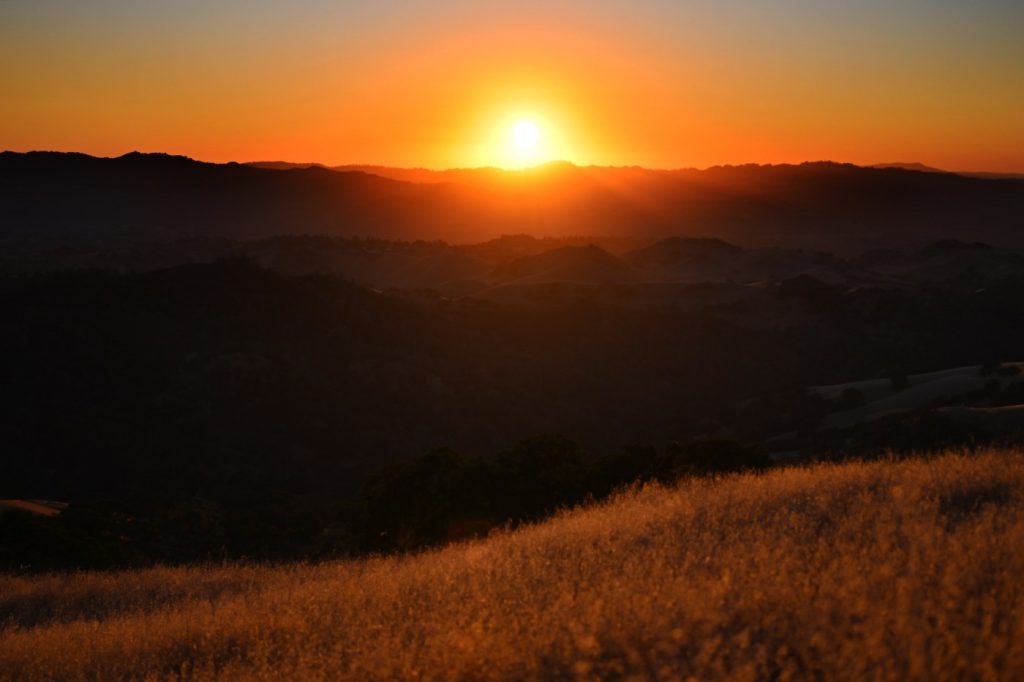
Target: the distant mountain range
pixel 914 166
pixel 52 201
pixel 426 175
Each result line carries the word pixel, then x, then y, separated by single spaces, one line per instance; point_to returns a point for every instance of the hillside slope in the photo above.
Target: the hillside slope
pixel 53 201
pixel 886 570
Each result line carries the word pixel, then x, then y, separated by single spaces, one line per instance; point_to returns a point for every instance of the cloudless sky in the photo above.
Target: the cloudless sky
pixel 658 83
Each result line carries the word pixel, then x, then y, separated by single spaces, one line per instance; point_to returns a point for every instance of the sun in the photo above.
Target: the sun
pixel 521 140
pixel 525 136
pixel 525 143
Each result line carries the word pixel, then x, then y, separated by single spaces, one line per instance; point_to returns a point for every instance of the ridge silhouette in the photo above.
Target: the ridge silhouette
pixel 56 200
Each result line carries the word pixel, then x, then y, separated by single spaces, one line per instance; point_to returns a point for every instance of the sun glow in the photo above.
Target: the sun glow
pixel 525 136
pixel 523 141
pixel 513 136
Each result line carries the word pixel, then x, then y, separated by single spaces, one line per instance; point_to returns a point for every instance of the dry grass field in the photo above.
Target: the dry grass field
pixel 904 570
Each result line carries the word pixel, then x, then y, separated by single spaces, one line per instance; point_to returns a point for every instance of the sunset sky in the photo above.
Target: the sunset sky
pixel 660 83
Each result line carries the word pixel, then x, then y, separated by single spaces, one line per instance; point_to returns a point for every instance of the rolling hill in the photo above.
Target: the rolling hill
pixel 884 570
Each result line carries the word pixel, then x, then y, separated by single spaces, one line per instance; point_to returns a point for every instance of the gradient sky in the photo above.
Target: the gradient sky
pixel 660 83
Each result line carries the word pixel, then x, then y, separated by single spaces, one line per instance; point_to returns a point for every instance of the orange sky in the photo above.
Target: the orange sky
pixel 656 83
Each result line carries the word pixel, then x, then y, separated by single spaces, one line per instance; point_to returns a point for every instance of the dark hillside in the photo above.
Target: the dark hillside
pixel 191 377
pixel 57 201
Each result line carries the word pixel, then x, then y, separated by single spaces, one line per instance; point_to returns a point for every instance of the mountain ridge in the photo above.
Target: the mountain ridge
pixel 60 199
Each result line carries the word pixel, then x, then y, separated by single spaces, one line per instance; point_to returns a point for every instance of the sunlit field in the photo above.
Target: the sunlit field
pixel 902 570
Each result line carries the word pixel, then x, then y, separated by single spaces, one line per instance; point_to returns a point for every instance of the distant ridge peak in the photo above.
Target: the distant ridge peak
pixel 911 166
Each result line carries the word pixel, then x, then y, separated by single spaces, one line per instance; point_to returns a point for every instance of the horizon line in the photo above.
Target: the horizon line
pixel 914 166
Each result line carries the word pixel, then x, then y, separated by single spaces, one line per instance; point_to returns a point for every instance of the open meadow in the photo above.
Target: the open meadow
pixel 897 570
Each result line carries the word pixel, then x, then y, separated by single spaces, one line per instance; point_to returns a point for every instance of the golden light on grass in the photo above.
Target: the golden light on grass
pixel 884 570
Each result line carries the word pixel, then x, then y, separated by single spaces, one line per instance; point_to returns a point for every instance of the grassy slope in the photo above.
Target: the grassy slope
pixel 906 570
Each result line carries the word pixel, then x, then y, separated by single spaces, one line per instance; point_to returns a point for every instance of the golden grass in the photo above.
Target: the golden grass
pixel 909 570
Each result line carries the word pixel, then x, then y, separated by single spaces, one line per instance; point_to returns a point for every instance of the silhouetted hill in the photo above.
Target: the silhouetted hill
pixel 915 166
pixel 428 176
pixel 59 201
pixel 713 260
pixel 675 252
pixel 568 264
pixel 911 166
pixel 283 165
pixel 987 175
pixel 62 200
